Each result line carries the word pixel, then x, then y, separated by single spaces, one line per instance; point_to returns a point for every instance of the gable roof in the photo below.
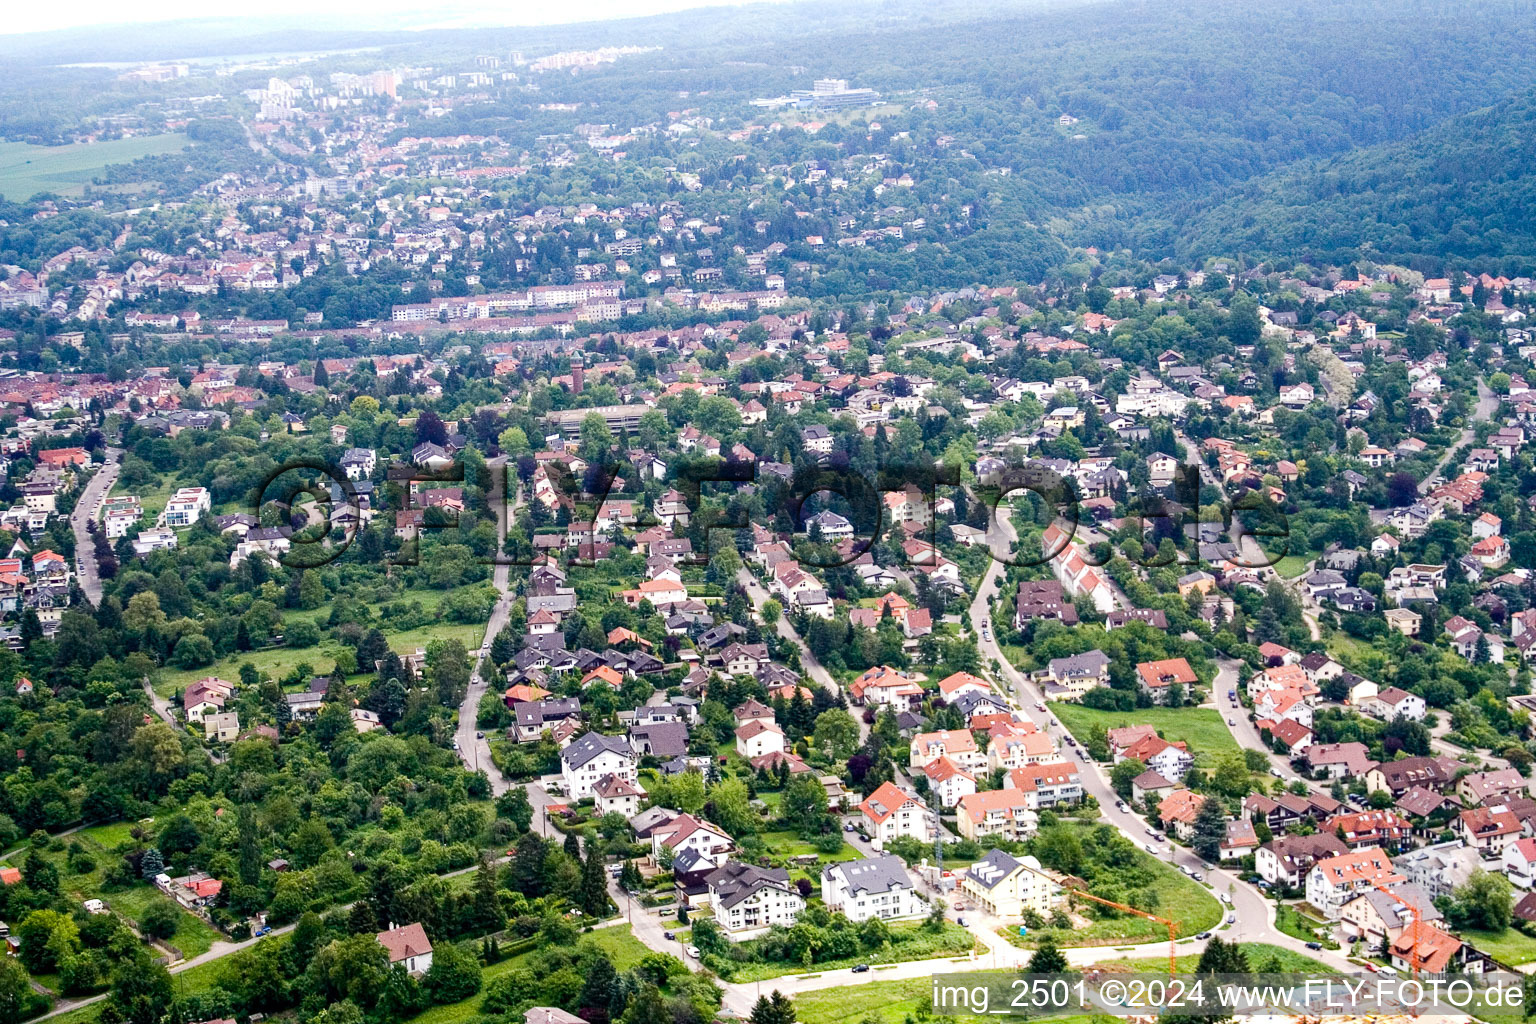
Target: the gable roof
pixel 405 942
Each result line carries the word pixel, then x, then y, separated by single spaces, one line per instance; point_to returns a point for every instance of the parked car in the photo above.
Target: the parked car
pixel 669 935
pixel 1203 935
pixel 692 951
pixel 860 968
pixel 1314 945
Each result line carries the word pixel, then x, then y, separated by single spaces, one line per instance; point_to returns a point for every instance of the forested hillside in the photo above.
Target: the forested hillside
pixel 1463 190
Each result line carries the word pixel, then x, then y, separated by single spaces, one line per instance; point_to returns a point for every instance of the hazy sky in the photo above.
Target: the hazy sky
pixel 359 14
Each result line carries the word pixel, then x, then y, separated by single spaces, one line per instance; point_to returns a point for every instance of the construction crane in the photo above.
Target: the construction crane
pixel 1173 926
pixel 1415 959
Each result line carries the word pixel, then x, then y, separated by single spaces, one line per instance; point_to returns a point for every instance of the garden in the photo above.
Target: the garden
pixel 822 940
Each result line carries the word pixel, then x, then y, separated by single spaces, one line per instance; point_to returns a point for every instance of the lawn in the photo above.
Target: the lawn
pixel 1298 926
pixel 954 941
pixel 1201 728
pixel 618 942
pixel 277 662
pixel 1511 946
pixel 26 169
pixel 1292 566
pixel 789 844
pixel 1179 899
pixel 896 1002
pixel 1186 962
pixel 193 937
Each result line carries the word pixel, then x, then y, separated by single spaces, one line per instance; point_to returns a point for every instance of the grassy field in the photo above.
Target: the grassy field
pixel 1294 924
pixel 1511 946
pixel 954 941
pixel 789 844
pixel 898 1001
pixel 895 1002
pixel 193 937
pixel 1179 899
pixel 618 942
pixel 26 170
pixel 1201 728
pixel 1186 962
pixel 1292 566
pixel 277 662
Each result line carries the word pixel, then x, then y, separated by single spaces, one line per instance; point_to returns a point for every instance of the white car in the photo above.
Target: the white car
pixel 693 951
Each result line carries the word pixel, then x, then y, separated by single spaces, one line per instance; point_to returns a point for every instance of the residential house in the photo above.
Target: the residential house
pixel 875 887
pixel 748 900
pixel 888 812
pixel 593 756
pixel 408 946
pixel 1006 887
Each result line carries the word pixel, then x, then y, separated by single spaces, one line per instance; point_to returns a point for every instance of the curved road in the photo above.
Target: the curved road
pixel 1254 912
pixel 1487 405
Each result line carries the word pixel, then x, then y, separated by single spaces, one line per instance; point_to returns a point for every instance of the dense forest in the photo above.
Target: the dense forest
pixel 1462 190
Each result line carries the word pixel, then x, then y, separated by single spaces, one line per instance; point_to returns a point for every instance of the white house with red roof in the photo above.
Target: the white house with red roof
pixel 883 686
pixel 888 813
pixel 1520 863
pixel 758 737
pixel 952 687
pixel 956 744
pixel 948 781
pixel 408 945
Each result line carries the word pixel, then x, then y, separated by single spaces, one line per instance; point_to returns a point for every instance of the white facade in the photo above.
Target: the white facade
pixel 876 887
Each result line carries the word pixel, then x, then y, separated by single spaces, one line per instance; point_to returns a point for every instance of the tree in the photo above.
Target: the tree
pixel 40 874
pixel 687 792
pixel 1221 957
pixel 733 808
pixel 804 804
pixel 250 844
pixel 836 733
pixel 15 992
pixel 599 989
pixel 594 883
pixel 449 669
pixel 1048 959
pixel 773 1009
pixel 1210 830
pixel 159 919
pixel 151 864
pixel 1123 774
pixel 1483 902
pixel 515 807
pixel 141 992
pixel 454 974
pixel 44 936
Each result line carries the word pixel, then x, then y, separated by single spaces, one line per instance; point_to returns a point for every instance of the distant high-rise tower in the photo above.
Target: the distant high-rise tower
pixel 578 375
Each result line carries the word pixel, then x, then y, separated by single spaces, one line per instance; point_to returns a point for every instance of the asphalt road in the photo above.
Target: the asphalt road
pixel 85 511
pixel 1487 405
pixel 1253 911
pixel 472 748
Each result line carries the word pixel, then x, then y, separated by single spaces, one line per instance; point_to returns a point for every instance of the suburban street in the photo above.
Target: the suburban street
pixel 808 662
pixel 1253 913
pixel 473 750
pixel 85 511
pixel 1487 405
